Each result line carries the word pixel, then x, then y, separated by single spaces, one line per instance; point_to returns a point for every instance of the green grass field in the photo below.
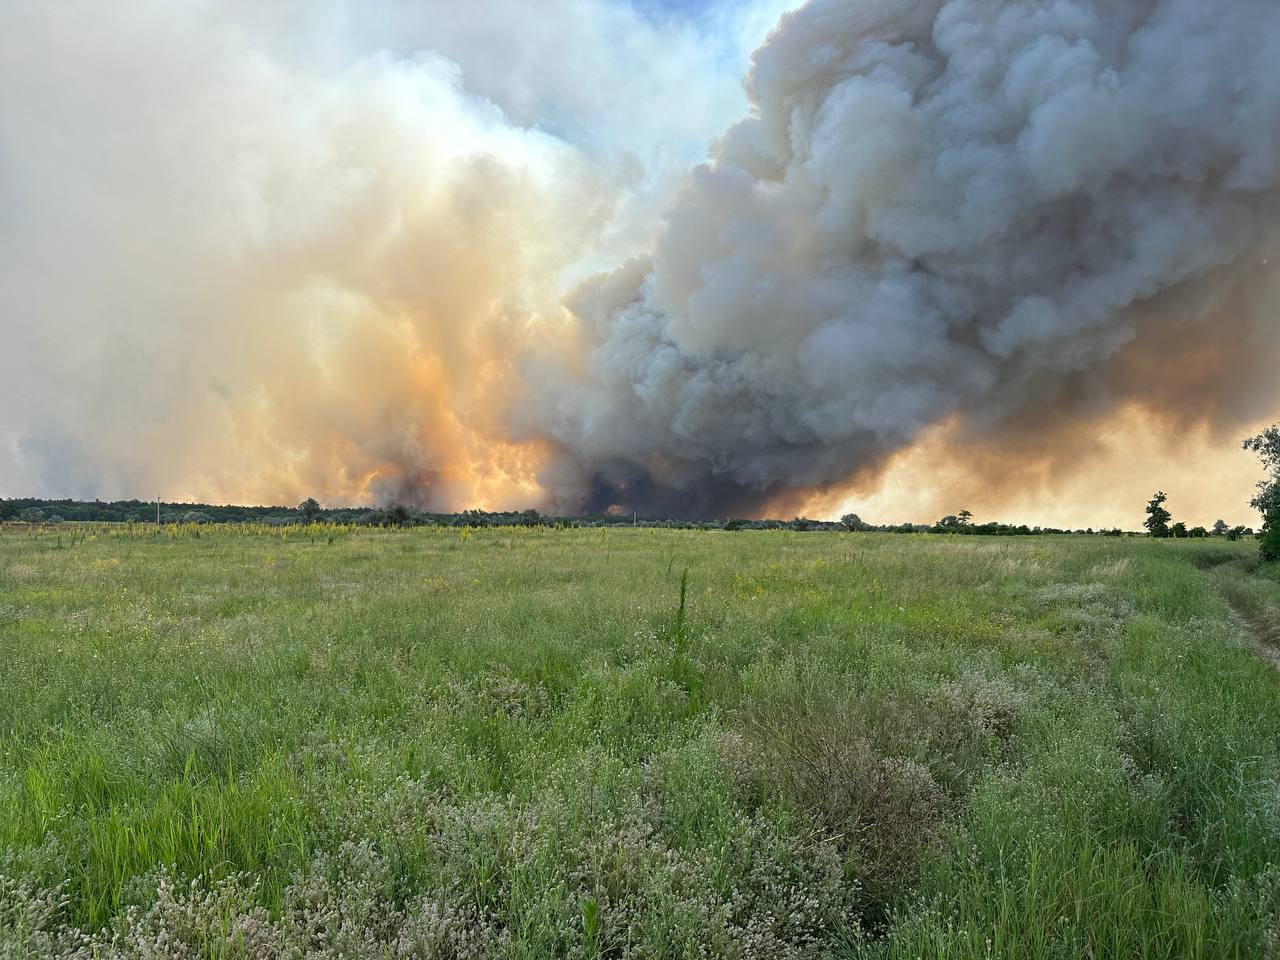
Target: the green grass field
pixel 321 742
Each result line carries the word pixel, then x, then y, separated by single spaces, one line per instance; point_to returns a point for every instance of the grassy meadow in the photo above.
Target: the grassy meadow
pixel 309 742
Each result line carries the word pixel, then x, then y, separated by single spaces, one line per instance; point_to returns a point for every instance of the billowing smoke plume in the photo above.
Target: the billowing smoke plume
pixel 259 251
pixel 1004 214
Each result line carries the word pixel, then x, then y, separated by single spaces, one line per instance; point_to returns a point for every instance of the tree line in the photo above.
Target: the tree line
pixel 1159 521
pixel 34 510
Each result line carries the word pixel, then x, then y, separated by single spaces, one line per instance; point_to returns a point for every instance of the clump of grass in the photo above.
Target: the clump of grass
pixel 683 669
pixel 880 812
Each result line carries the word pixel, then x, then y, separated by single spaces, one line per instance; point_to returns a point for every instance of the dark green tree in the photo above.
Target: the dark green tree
pixel 1157 522
pixel 1178 530
pixel 1267 502
pixel 953 521
pixel 851 521
pixel 1220 528
pixel 309 510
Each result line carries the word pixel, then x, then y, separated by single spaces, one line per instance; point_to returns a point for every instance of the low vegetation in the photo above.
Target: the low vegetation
pixel 327 741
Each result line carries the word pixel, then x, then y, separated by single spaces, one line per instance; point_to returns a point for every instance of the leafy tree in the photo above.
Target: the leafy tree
pixel 1197 533
pixel 32 515
pixel 309 510
pixel 1157 522
pixel 1178 530
pixel 1220 528
pixel 953 521
pixel 1267 502
pixel 851 521
pixel 1237 532
pixel 196 516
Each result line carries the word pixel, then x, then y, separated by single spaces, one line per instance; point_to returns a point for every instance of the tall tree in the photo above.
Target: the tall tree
pixel 1267 502
pixel 1157 522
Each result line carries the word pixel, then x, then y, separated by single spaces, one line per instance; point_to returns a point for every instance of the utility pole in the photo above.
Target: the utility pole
pixel 157 509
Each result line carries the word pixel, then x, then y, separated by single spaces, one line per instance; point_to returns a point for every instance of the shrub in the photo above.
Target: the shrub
pixel 1270 536
pixel 881 811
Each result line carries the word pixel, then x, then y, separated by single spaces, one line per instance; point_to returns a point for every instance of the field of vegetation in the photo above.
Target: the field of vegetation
pixel 320 741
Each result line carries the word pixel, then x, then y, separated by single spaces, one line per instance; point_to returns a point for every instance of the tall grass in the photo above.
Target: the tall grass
pixel 530 743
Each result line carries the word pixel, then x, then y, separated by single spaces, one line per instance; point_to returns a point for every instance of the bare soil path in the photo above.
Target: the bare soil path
pixel 1264 642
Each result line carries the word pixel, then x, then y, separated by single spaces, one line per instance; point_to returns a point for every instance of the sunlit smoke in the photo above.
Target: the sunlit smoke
pixel 421 253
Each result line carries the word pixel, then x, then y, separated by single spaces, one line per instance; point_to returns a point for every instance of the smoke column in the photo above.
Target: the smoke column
pixel 467 257
pixel 1010 217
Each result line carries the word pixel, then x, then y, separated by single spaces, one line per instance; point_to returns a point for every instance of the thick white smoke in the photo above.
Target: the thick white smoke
pixel 1006 214
pixel 261 250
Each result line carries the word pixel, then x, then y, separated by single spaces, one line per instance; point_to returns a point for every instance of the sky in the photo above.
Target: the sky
pixel 696 257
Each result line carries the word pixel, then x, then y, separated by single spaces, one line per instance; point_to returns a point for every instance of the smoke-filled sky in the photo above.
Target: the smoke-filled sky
pixel 699 257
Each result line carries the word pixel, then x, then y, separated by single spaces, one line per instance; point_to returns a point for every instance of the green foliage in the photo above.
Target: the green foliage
pixel 309 510
pixel 1157 522
pixel 962 520
pixel 331 741
pixel 854 523
pixel 1267 500
pixel 1270 538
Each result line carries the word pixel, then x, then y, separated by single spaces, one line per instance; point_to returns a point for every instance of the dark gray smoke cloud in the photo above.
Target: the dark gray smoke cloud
pixel 1011 215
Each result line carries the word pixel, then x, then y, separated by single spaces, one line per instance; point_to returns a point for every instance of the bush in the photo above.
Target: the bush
pixel 1270 537
pixel 880 811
